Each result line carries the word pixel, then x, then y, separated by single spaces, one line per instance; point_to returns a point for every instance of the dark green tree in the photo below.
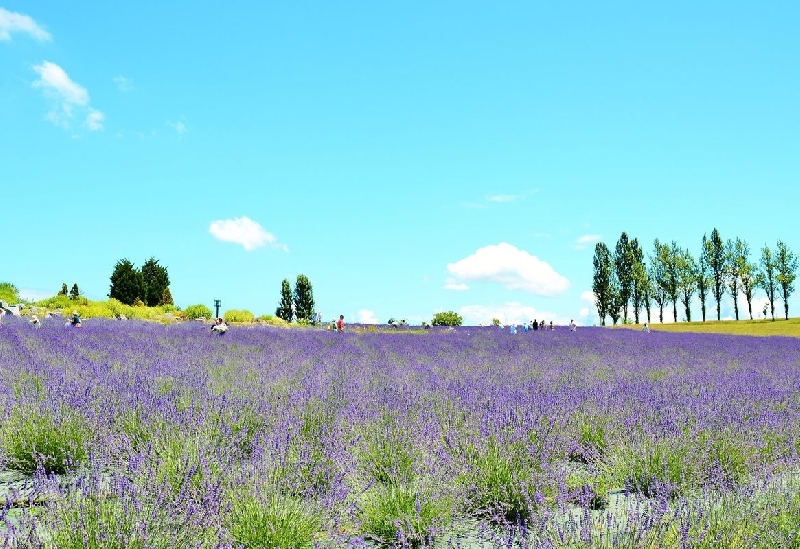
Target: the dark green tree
pixel 63 290
pixel 716 259
pixel 284 310
pixel 127 284
pixel 74 293
pixel 601 282
pixel 447 318
pixel 303 298
pixel 156 280
pixel 768 274
pixel 166 297
pixel 786 266
pixel 623 264
pixel 658 277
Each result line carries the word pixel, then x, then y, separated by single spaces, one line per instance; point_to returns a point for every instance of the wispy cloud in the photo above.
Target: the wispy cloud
pixel 245 232
pixel 179 127
pixel 503 197
pixel 11 22
pixel 123 84
pixel 455 285
pixel 587 240
pixel 94 121
pixel 515 269
pixel 66 94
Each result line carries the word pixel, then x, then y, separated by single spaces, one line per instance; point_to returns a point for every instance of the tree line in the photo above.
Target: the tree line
pixel 624 279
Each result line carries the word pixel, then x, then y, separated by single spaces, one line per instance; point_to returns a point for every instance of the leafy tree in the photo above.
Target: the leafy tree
pixel 640 293
pixel 666 265
pixel 9 293
pixel 737 252
pixel 687 269
pixel 623 263
pixel 63 290
pixel 127 284
pixel 495 322
pixel 303 298
pixel 616 303
pixel 166 298
pixel 601 283
pixel 751 279
pixel 284 310
pixel 447 318
pixel 74 293
pixel 769 271
pixel 715 257
pixel 703 278
pixel 658 276
pixel 156 280
pixel 786 266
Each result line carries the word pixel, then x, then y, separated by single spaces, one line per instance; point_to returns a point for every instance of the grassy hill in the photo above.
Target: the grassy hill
pixel 778 327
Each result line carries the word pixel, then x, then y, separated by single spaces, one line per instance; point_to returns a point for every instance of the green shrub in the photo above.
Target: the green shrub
pixel 9 293
pixel 279 523
pixel 194 312
pixel 447 318
pixel 33 438
pixel 238 315
pixel 398 514
pixel 386 454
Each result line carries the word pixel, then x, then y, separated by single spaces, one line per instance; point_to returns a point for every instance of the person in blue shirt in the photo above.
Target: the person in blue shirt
pixel 75 322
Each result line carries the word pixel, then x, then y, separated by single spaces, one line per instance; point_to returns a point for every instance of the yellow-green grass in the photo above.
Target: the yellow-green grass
pixel 761 327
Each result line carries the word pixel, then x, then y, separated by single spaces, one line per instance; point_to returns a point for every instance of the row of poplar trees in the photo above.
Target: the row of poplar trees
pixel 625 279
pixel 297 304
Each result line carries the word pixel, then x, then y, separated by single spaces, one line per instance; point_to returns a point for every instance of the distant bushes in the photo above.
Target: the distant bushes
pixel 239 315
pixel 193 312
pixel 447 318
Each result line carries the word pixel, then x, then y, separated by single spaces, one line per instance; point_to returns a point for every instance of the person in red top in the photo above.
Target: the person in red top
pixel 340 324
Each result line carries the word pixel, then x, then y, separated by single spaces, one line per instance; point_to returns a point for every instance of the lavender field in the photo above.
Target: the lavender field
pixel 140 435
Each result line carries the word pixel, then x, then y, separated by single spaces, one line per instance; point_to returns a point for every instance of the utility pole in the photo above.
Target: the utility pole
pixel 217 303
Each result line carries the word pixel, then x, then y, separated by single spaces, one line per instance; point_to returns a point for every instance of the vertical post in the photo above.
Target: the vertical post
pixel 217 303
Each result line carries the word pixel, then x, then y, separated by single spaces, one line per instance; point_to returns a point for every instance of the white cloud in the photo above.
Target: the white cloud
pixel 455 285
pixel 244 231
pixel 365 316
pixel 508 313
pixel 123 84
pixel 513 268
pixel 67 95
pixel 94 121
pixel 587 240
pixel 16 22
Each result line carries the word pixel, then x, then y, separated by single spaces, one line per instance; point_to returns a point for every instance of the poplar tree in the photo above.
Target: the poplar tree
pixel 601 281
pixel 786 266
pixel 768 274
pixel 284 310
pixel 714 251
pixel 303 298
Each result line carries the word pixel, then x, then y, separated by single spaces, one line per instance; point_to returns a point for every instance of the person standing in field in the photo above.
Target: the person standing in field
pixel 35 322
pixel 572 326
pixel 340 324
pixel 646 328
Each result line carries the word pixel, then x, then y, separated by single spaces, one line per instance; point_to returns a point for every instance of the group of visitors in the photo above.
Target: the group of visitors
pixel 337 325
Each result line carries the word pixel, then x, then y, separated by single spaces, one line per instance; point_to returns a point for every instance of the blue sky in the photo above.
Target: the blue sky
pixel 407 157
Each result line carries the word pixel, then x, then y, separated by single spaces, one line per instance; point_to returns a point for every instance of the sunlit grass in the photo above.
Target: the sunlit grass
pixel 761 327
